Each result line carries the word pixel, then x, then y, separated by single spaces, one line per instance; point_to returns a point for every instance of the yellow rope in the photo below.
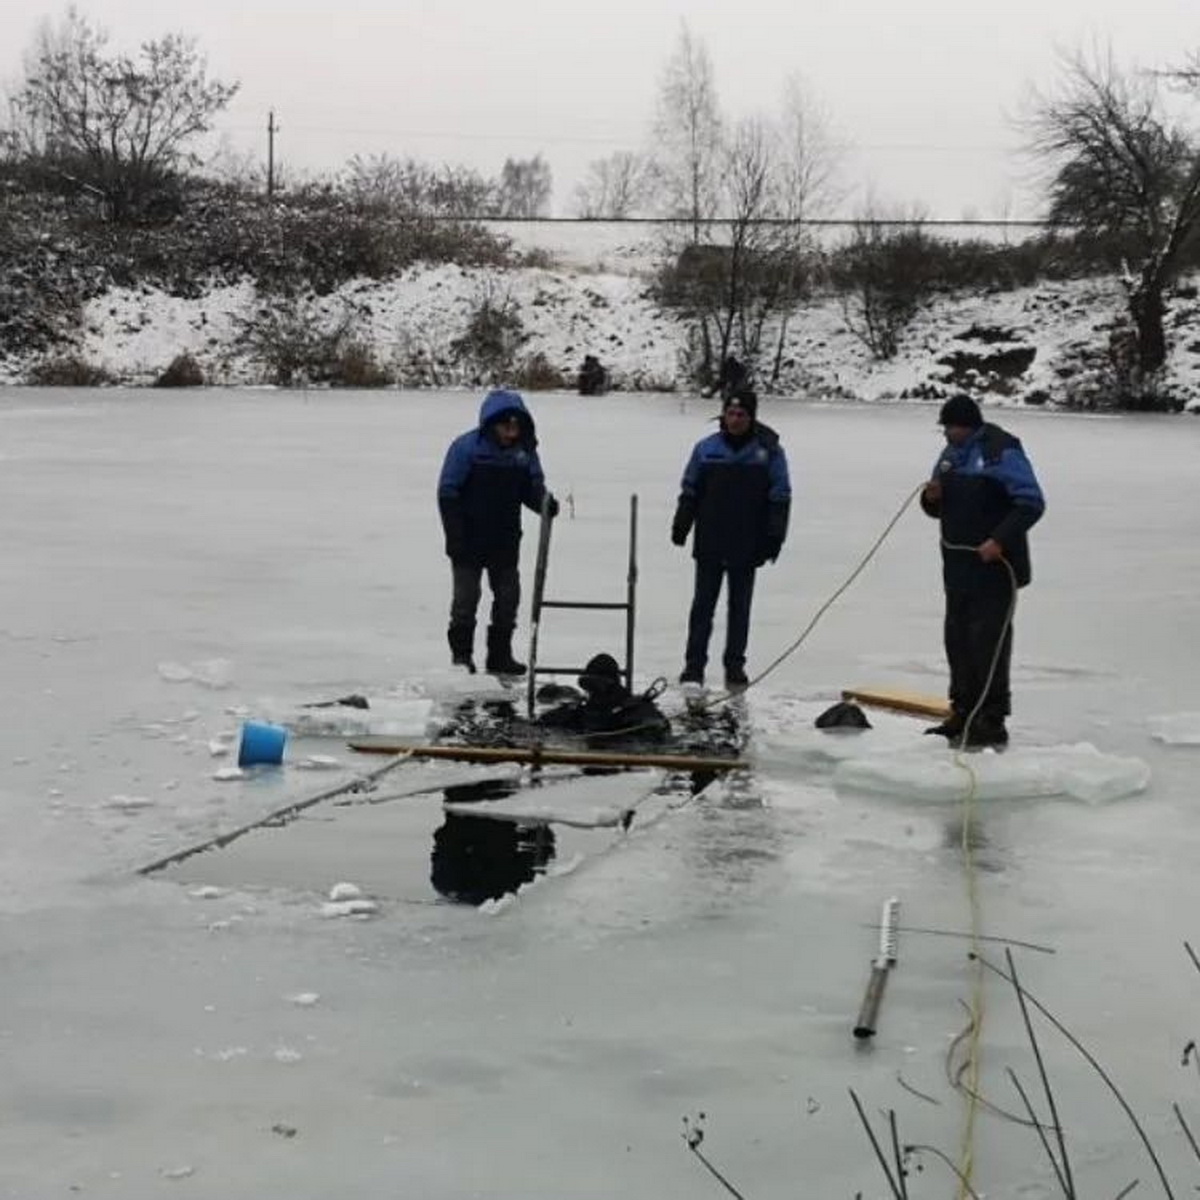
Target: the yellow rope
pixel 976 1008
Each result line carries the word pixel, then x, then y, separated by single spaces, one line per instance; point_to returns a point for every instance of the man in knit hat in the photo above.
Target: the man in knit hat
pixel 736 494
pixel 984 493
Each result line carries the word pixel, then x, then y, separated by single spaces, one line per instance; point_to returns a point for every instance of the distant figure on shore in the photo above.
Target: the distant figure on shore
pixel 734 376
pixel 593 378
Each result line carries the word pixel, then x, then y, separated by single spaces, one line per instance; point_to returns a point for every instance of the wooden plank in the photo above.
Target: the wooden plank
pixel 381 744
pixel 917 704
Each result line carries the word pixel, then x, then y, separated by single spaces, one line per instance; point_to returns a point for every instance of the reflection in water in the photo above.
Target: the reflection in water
pixel 476 859
pixel 479 858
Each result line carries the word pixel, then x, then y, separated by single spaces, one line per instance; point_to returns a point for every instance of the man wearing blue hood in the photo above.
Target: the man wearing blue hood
pixel 489 472
pixel 986 497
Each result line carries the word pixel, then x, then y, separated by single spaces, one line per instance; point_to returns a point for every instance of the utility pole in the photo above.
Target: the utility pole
pixel 272 129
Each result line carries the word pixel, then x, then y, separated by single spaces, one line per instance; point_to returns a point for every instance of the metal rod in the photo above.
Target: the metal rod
pixel 631 592
pixel 600 604
pixel 280 814
pixel 382 744
pixel 535 604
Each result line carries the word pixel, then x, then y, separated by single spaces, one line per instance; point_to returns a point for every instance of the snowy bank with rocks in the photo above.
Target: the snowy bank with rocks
pixel 1049 343
pixel 1023 346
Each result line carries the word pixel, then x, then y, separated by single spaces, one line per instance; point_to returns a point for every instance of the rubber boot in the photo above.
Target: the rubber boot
pixel 462 646
pixel 500 660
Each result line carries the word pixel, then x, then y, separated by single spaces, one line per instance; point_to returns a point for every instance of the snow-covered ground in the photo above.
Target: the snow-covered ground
pixel 241 1026
pixel 596 299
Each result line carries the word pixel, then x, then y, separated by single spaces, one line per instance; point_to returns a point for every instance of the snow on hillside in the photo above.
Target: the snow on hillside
pixel 1027 345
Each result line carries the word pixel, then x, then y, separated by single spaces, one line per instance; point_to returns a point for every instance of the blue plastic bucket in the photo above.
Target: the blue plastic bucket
pixel 261 743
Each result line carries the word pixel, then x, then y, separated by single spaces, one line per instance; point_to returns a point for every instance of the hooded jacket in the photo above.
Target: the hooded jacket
pixel 989 490
pixel 483 485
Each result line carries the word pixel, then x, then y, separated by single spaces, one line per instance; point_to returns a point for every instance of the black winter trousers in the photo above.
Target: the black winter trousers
pixel 739 594
pixel 973 627
pixel 505 583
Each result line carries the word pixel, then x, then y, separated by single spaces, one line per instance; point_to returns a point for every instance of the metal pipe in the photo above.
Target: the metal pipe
pixel 383 744
pixel 881 966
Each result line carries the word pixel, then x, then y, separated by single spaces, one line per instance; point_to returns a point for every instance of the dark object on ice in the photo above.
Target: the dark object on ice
pixel 843 715
pixel 608 707
pixel 556 693
pixel 352 701
pixel 593 378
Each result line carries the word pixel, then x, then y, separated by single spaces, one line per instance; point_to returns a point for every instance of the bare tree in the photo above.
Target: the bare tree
pixel 1123 171
pixel 808 164
pixel 745 272
pixel 411 186
pixel 884 275
pixel 688 134
pixel 116 124
pixel 614 187
pixel 810 154
pixel 525 187
pixel 1188 74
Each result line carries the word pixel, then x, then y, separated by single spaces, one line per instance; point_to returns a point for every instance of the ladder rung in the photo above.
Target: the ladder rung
pixel 584 604
pixel 557 670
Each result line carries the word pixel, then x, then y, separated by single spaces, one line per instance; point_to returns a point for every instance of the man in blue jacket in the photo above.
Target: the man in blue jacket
pixel 986 496
pixel 489 472
pixel 736 493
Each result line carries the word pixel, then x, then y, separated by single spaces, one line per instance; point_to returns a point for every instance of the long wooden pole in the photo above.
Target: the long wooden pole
pixel 382 744
pixel 286 813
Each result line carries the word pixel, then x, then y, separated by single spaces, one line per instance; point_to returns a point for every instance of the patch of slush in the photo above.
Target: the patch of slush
pixel 1176 729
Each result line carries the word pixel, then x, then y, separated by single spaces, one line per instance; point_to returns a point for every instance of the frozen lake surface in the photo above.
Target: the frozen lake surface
pixel 241 1026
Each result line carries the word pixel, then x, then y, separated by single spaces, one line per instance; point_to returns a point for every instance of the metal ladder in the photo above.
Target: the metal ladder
pixel 539 602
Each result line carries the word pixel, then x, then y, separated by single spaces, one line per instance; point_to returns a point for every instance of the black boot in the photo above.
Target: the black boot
pixel 983 733
pixel 500 659
pixel 950 728
pixel 462 646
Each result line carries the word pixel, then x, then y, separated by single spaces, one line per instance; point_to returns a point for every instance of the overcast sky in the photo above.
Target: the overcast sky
pixel 924 91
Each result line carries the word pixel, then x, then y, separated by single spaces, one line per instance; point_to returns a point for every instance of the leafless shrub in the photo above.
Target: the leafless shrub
pixel 67 370
pixel 536 373
pixel 487 348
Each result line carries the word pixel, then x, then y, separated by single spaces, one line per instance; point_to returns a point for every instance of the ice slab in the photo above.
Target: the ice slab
pixel 408 718
pixel 591 802
pixel 1176 729
pixel 1080 771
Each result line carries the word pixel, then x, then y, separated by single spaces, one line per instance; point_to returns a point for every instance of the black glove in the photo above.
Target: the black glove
pixel 551 507
pixel 456 547
pixel 771 549
pixel 679 532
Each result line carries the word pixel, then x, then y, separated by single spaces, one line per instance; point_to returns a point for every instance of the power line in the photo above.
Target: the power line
pixel 918 147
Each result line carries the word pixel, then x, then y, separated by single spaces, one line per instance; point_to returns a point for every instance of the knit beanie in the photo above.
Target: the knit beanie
pixel 961 410
pixel 743 397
